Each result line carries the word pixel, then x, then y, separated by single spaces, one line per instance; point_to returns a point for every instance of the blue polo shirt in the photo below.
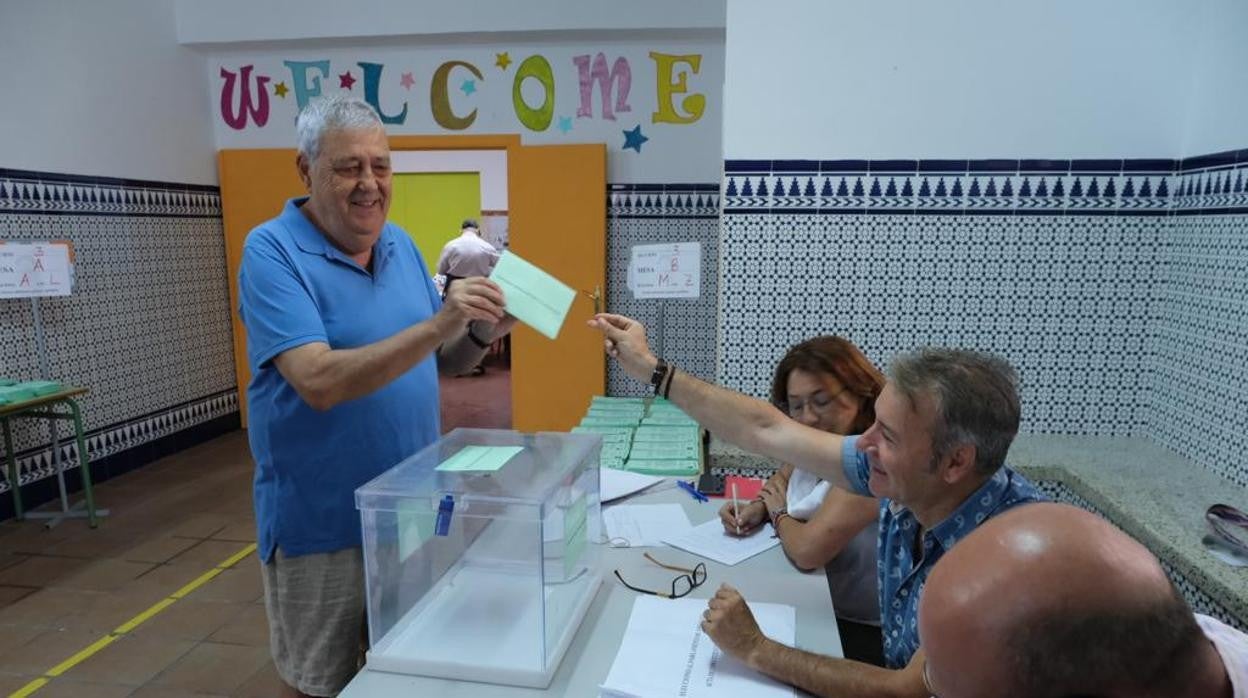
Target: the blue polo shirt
pixel 296 288
pixel 901 576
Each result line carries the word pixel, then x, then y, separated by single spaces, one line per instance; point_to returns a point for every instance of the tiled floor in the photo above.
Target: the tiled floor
pixel 63 589
pixel 478 401
pixel 172 521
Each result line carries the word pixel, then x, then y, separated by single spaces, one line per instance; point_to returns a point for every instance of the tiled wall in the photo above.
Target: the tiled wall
pixel 147 328
pixel 1093 277
pixel 1195 596
pixel 1197 401
pixel 642 214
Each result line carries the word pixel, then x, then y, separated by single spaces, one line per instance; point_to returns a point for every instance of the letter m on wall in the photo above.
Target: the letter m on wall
pixel 607 83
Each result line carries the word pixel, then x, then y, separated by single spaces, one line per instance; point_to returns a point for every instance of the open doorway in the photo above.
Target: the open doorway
pixel 434 193
pixel 556 219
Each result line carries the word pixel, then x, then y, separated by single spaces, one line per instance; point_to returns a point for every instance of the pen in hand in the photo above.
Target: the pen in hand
pixel 736 512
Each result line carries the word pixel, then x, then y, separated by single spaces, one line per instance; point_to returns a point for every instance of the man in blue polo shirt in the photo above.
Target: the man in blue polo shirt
pixel 935 457
pixel 345 338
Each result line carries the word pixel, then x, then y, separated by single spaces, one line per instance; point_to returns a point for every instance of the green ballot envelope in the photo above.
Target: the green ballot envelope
pixel 534 297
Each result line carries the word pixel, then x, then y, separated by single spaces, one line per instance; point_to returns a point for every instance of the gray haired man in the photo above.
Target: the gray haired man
pixel 345 338
pixel 935 456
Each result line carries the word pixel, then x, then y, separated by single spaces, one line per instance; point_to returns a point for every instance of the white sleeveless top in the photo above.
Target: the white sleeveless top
pixel 853 576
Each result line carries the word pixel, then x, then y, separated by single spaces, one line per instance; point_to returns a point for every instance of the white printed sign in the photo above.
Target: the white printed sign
pixel 37 269
pixel 670 270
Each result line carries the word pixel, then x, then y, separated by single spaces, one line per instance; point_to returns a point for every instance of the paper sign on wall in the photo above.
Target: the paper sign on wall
pixel 670 270
pixel 37 269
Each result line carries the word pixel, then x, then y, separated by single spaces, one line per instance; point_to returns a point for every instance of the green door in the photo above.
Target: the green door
pixel 431 205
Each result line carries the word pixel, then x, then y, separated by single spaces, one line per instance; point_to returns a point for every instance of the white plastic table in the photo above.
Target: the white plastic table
pixel 766 577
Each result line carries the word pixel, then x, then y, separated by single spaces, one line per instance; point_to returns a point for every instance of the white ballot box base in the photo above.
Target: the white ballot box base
pixel 479 625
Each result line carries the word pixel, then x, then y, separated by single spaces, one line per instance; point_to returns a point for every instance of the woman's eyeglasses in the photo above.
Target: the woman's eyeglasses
pixel 820 403
pixel 681 586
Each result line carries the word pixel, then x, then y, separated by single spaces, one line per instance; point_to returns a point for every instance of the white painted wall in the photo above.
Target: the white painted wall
pixel 227 21
pixel 490 164
pixel 960 78
pixel 103 88
pixel 1217 105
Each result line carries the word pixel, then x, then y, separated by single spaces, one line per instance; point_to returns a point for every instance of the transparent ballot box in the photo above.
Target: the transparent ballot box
pixel 481 555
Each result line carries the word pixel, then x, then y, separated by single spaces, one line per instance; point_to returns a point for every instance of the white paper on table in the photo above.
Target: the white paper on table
pixel 665 653
pixel 621 483
pixel 643 525
pixel 710 541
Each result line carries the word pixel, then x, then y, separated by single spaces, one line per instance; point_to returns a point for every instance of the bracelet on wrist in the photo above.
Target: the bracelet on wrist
pixel 671 375
pixel 776 516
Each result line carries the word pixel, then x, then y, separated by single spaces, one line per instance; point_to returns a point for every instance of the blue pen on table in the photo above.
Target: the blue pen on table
pixel 693 491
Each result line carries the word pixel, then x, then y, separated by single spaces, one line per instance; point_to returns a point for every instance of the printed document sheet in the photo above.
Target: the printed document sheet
pixel 711 542
pixel 665 653
pixel 643 525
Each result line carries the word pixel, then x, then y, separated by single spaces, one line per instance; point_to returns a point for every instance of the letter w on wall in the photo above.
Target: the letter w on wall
pixel 258 113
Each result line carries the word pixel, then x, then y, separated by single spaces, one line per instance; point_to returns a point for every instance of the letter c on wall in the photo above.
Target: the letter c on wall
pixel 440 98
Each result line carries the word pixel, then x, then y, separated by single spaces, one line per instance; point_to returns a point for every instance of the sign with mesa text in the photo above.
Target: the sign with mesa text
pixel 36 269
pixel 668 270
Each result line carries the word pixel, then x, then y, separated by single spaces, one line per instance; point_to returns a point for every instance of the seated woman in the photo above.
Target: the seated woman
pixel 826 383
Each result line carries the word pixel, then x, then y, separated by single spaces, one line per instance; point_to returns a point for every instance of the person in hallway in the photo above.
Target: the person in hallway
pixel 1058 602
pixel 345 338
pixel 466 256
pixel 828 384
pixel 935 454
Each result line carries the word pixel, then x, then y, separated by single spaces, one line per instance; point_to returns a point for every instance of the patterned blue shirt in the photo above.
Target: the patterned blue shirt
pixel 901 577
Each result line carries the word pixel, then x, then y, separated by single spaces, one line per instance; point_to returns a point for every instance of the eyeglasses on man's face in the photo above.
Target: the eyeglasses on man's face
pixel 681 585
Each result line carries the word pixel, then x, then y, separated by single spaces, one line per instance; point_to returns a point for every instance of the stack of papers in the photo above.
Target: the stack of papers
pixel 666 434
pixel 621 483
pixel 663 450
pixel 665 653
pixel 644 436
pixel 710 541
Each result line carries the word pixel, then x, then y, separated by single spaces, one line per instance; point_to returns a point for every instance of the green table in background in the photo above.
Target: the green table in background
pixel 43 407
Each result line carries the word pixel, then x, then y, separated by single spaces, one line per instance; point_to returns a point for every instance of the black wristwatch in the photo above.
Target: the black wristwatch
pixel 656 378
pixel 475 340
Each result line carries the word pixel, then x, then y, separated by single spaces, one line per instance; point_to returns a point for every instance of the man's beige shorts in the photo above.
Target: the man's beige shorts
pixel 315 605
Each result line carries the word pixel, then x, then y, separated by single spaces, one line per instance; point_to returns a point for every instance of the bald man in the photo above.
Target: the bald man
pixel 1050 600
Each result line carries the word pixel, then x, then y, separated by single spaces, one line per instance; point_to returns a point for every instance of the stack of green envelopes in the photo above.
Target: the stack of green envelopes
pixel 12 391
pixel 653 437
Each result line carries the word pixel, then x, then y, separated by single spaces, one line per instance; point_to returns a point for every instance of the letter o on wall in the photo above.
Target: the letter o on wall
pixel 539 119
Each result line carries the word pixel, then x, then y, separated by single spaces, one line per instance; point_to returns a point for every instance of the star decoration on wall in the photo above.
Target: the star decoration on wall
pixel 407 81
pixel 634 138
pixel 280 90
pixel 469 86
pixel 502 60
pixel 346 80
pixel 565 123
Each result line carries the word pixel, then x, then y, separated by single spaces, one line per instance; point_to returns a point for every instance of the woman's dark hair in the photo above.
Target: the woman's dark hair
pixel 838 357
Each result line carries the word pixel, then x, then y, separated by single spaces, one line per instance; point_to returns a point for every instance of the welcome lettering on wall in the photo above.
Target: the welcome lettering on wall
pixel 251 98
